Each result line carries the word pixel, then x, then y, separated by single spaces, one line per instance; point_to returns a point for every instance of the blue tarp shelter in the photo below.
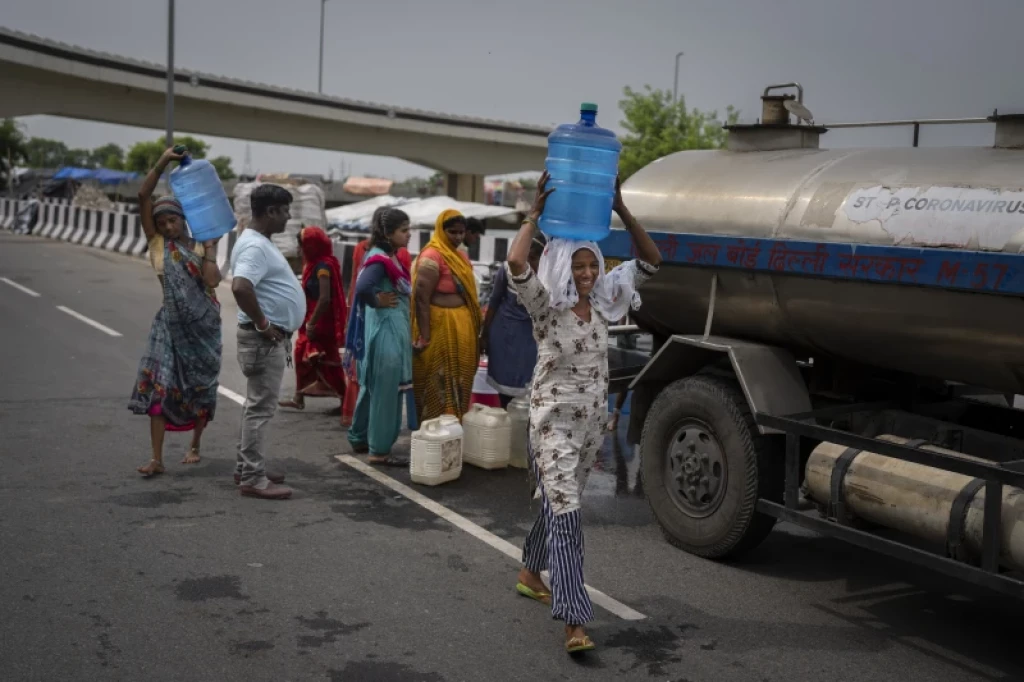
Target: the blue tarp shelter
pixel 103 176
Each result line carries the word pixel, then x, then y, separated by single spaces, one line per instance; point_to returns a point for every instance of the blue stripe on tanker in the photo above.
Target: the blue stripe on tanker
pixel 983 271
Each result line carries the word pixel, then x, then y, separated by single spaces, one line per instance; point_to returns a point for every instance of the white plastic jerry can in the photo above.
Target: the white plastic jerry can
pixel 436 453
pixel 487 434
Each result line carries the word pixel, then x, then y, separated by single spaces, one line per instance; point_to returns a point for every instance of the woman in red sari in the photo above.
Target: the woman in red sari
pixel 317 347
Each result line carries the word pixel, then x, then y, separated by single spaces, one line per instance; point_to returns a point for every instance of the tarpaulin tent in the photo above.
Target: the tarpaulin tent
pixel 367 186
pixel 103 176
pixel 72 173
pixel 357 216
pixel 425 212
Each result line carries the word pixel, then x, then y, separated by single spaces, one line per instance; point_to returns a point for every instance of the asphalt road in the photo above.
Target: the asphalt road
pixel 104 576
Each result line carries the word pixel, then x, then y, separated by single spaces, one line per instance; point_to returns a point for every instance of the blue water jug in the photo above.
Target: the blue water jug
pixel 583 161
pixel 207 210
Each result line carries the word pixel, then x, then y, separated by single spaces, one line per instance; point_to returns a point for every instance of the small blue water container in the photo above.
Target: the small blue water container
pixel 207 210
pixel 583 162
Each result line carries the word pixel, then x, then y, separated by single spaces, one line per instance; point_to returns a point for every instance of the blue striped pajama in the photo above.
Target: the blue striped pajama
pixel 555 543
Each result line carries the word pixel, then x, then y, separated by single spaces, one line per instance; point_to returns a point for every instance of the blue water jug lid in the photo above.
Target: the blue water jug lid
pixel 588 106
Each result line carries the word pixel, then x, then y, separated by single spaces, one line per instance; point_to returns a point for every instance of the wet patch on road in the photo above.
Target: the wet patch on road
pixel 153 499
pixel 329 628
pixel 209 468
pixel 362 502
pixel 106 649
pixel 380 671
pixel 317 522
pixel 457 563
pixel 210 587
pixel 250 647
pixel 150 521
pixel 653 647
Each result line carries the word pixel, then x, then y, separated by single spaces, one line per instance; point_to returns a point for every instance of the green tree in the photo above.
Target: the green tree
pixel 108 156
pixel 223 166
pixel 657 127
pixel 78 158
pixel 44 153
pixel 144 155
pixel 12 148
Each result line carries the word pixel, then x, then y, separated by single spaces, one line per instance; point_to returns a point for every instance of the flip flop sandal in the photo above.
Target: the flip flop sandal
pixel 542 597
pixel 389 462
pixel 159 469
pixel 292 404
pixel 578 645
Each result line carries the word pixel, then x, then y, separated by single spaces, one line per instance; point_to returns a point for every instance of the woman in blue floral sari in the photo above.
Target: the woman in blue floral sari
pixel 178 374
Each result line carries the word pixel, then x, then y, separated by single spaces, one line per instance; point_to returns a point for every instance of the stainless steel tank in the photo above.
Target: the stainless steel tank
pixel 857 196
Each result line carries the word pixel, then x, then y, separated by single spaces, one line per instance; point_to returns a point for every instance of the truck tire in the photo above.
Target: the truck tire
pixel 705 465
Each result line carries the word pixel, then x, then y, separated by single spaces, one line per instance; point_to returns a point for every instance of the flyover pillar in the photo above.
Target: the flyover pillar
pixel 465 187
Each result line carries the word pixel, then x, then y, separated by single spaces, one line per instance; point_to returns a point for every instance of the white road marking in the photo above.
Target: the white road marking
pixel 231 395
pixel 90 322
pixel 505 547
pixel 20 287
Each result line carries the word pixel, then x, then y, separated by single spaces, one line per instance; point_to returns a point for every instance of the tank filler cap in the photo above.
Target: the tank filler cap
pixel 801 112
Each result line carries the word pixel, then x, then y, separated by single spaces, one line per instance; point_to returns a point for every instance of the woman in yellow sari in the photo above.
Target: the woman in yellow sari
pixel 445 322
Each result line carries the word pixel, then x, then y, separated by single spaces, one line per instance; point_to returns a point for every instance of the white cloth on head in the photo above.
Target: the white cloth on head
pixel 614 293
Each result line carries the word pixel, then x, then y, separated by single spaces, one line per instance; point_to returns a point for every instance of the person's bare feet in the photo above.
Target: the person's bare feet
pixel 152 469
pixel 613 422
pixel 191 457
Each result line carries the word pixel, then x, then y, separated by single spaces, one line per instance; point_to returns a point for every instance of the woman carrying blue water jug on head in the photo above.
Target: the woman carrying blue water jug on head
pixel 177 380
pixel 571 302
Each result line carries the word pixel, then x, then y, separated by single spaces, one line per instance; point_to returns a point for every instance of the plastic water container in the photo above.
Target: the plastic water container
pixel 583 161
pixel 207 209
pixel 519 418
pixel 487 431
pixel 436 453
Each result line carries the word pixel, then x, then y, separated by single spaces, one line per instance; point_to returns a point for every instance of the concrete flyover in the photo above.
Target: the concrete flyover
pixel 40 76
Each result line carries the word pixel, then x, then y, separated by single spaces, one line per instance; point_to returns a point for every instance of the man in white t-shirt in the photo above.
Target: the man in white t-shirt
pixel 271 307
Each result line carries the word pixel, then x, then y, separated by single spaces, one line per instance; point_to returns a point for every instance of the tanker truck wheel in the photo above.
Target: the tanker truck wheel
pixel 705 464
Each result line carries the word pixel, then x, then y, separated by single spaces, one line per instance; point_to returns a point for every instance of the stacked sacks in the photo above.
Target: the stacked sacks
pixel 307 209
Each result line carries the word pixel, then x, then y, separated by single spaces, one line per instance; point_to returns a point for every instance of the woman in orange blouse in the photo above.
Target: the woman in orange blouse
pixel 445 322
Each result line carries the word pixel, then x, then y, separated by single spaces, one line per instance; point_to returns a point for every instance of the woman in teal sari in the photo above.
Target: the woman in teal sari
pixel 379 340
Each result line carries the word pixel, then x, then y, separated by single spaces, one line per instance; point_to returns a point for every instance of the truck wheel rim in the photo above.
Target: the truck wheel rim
pixel 696 474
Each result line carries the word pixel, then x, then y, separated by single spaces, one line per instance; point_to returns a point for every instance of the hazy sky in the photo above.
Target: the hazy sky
pixel 533 61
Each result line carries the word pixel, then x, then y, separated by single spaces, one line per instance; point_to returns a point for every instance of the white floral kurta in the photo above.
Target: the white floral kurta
pixel 569 392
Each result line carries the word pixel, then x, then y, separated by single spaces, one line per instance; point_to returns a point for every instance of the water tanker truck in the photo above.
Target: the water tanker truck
pixel 838 337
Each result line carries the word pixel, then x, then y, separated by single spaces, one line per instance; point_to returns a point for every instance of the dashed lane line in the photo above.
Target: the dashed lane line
pixel 20 287
pixel 231 395
pixel 92 323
